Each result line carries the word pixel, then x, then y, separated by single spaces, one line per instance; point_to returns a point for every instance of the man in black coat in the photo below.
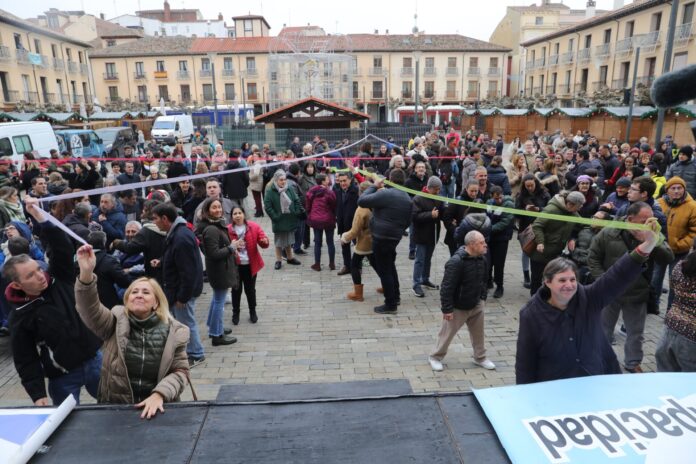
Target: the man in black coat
pixel 108 271
pixel 426 214
pixel 462 296
pixel 48 337
pixel 347 194
pixel 235 185
pixel 182 273
pixel 416 181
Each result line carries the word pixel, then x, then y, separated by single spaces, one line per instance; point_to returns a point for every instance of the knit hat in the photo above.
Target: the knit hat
pixel 575 198
pixel 583 178
pixel 675 180
pixel 687 150
pixel 434 182
pixel 623 182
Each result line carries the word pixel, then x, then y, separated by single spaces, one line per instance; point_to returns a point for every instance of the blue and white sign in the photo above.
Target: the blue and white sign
pixel 24 430
pixel 642 418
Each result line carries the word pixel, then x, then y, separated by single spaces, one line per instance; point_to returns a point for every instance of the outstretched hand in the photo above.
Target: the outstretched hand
pixel 87 261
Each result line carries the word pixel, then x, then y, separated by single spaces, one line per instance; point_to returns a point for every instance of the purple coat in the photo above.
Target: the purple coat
pixel 321 208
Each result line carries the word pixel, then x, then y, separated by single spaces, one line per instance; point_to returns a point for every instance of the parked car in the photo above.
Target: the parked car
pixel 173 129
pixel 17 138
pixel 115 140
pixel 81 143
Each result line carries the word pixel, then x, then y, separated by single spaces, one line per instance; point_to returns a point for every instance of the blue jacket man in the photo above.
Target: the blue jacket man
pixel 110 216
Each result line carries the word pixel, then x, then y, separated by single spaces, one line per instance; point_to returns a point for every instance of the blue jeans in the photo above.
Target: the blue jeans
pixel 70 384
pixel 421 267
pixel 216 312
pixel 448 190
pixel 186 316
pixel 299 235
pixel 329 244
pixel 658 278
pixel 411 244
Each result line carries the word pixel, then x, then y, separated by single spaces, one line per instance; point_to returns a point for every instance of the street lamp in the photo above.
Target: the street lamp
pixel 211 57
pixel 417 55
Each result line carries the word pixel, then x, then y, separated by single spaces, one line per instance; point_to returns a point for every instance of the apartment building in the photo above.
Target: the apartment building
pixel 369 72
pixel 39 66
pixel 601 52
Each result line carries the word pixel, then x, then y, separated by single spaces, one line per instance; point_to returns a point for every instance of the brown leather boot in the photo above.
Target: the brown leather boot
pixel 357 293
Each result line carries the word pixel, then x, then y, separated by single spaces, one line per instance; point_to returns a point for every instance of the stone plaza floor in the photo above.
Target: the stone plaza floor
pixel 308 331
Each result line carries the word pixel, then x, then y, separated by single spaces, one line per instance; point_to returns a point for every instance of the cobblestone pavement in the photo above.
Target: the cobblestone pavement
pixel 309 332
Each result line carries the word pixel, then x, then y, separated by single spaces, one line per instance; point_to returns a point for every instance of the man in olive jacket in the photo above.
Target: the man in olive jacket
pixel 606 248
pixel 462 295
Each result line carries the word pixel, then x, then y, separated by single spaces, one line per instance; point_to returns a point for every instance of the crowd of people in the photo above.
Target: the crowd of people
pixel 119 319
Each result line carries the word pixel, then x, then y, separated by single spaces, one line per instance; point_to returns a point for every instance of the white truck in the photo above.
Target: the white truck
pixel 17 138
pixel 173 129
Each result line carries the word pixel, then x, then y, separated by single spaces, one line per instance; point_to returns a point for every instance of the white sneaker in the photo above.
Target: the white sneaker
pixel 436 365
pixel 486 364
pixel 228 299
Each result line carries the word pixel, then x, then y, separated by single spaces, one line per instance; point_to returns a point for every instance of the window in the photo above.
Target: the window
pixel 54 51
pixel 408 62
pixel 79 57
pixel 355 64
pixel 571 45
pixel 406 89
pixel 139 69
pixel 18 42
pixel 451 86
pixel 472 88
pixel 85 93
pixel 688 14
pixel 207 92
pixel 680 61
pixel 250 63
pixel 539 20
pixel 229 92
pixel 628 32
pixel 655 21
pixel 205 64
pixel 227 63
pixel 452 62
pixel 328 92
pixel 111 43
pixel 22 143
pixel 567 78
pixel 603 73
pixel 556 48
pixel 493 87
pixel 607 36
pixel 377 62
pixel 356 91
pixel 650 67
pixel 251 91
pixel 328 69
pixel 493 62
pixel 185 93
pixel 68 53
pixel 113 93
pixel 5 147
pixel 429 91
pixel 588 40
pixel 377 91
pixel 110 70
pixel 37 46
pixel 430 62
pixel 473 62
pixel 160 66
pixel 248 25
pixel 175 30
pixel 142 94
pixel 163 92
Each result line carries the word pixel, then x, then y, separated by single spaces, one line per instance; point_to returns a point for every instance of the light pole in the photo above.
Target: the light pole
pixel 417 55
pixel 211 56
pixel 666 65
pixel 386 109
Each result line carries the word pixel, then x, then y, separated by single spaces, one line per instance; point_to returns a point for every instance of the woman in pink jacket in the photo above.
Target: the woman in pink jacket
pixel 321 216
pixel 249 261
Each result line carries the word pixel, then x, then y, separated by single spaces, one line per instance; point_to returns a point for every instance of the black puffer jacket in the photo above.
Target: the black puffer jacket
pixel 346 204
pixel 144 349
pixel 391 212
pixel 426 229
pixel 235 184
pixel 415 183
pixel 464 282
pixel 219 258
pixel 182 269
pixel 150 242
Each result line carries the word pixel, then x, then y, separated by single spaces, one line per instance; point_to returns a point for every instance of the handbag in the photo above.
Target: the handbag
pixel 527 240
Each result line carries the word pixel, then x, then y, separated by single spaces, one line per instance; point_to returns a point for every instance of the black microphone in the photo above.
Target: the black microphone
pixel 674 88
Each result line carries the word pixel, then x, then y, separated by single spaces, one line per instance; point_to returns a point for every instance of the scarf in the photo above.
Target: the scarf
pixel 285 200
pixel 14 211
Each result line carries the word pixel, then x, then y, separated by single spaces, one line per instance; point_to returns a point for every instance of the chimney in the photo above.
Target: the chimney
pixel 618 4
pixel 220 17
pixel 101 16
pixel 591 9
pixel 167 12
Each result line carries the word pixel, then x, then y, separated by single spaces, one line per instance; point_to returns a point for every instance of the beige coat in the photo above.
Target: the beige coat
pixel 113 327
pixel 360 231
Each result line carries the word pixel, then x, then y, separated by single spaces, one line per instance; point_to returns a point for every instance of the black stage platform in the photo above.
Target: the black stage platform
pixel 355 422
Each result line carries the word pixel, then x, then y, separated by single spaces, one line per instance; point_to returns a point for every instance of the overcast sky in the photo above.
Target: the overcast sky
pixel 473 18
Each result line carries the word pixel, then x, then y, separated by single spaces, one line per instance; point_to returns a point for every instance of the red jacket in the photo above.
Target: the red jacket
pixel 253 238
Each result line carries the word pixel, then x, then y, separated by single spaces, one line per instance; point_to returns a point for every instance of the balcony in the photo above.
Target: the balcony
pixel 252 96
pixel 377 94
pixel 624 46
pixel 356 71
pixel 77 99
pixel 45 62
pixel 529 65
pixel 184 99
pixel 111 76
pixel 553 60
pixel 567 57
pixel 683 34
pixel 493 72
pixel 49 97
pixel 581 86
pixel 407 94
pixel 183 74
pixel 550 90
pixel 540 63
pixel 163 97
pixel 647 42
pixel 227 73
pixel 205 73
pixel 139 75
pixel 31 97
pixel 452 95
pixel 58 64
pixel 84 69
pixel 430 72
pixel 4 53
pixel 471 94
pixel 621 83
pixel 10 96
pixel 492 94
pixel 473 71
pixel 429 94
pixel 645 80
pixel 600 85
pixel 160 74
pixel 230 98
pixel 584 55
pixel 379 71
pixel 452 71
pixel 537 91
pixel 63 98
pixel 603 51
pixel 72 67
pixel 252 72
pixel 143 98
pixel 406 72
pixel 564 89
pixel 22 56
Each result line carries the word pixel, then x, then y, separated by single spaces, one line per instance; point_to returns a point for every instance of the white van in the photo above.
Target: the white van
pixel 173 129
pixel 17 138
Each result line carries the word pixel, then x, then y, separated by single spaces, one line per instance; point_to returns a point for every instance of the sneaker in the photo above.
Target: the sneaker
pixel 430 285
pixel 278 265
pixel 634 370
pixel 418 291
pixel 228 299
pixel 300 252
pixel 498 292
pixel 436 365
pixel 486 364
pixel 412 255
pixel 384 309
pixel 294 262
pixel 193 362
